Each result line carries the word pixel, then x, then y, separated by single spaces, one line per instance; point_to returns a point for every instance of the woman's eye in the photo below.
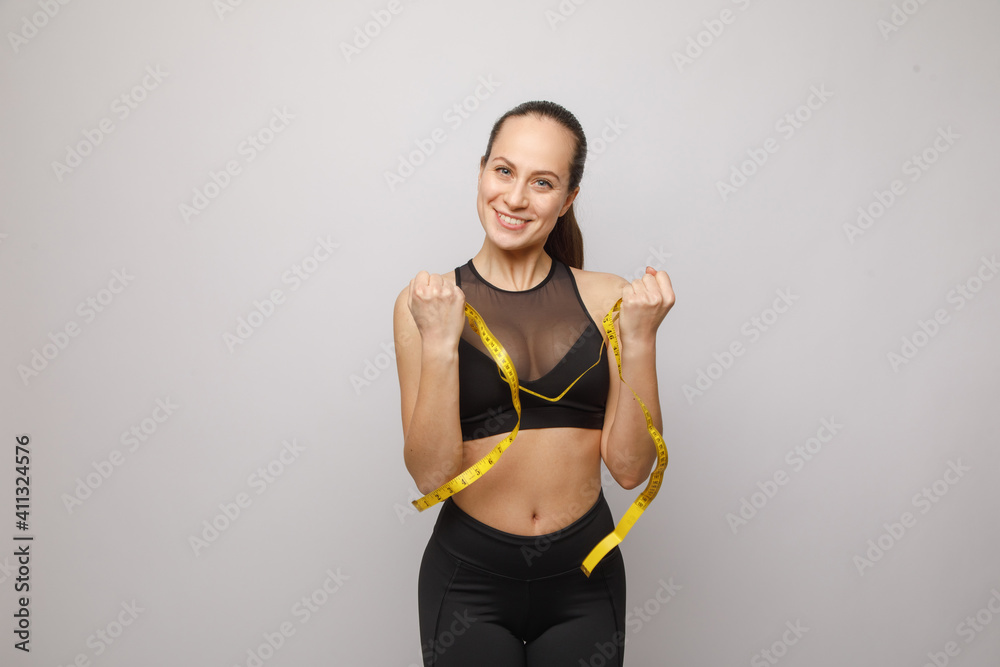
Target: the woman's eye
pixel 504 170
pixel 544 183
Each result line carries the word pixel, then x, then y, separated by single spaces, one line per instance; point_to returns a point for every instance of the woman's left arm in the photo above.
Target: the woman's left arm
pixel 627 448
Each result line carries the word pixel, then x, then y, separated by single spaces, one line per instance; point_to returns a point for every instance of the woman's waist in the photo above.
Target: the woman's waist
pixel 539 507
pixel 533 554
pixel 544 481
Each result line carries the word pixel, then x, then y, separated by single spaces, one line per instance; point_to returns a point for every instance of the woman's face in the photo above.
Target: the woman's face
pixel 524 184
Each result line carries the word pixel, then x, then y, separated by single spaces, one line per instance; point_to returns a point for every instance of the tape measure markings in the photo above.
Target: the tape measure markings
pixel 507 372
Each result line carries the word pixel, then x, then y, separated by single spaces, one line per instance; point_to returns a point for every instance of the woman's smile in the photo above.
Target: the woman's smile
pixel 510 222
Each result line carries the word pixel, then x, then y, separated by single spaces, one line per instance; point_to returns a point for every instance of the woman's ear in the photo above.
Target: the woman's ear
pixel 569 201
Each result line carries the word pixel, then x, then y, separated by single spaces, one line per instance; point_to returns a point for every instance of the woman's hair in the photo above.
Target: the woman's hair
pixel 565 242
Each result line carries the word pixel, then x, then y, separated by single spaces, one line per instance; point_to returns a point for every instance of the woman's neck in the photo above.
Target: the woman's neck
pixel 512 270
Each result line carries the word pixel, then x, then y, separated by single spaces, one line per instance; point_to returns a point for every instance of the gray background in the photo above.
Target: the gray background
pixel 319 369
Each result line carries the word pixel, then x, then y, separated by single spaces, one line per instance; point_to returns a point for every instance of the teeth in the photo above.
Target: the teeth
pixel 509 220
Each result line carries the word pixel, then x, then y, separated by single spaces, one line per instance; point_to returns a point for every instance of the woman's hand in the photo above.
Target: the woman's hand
pixel 438 308
pixel 645 302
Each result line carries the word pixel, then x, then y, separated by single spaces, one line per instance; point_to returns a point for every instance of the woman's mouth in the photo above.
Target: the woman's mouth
pixel 509 222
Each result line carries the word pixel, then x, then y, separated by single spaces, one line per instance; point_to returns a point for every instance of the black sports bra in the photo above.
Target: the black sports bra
pixel 551 339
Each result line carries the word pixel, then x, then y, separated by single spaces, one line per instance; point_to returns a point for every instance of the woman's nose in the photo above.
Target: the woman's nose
pixel 517 195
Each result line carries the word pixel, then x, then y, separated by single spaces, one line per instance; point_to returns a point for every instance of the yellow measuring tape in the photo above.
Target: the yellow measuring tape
pixel 509 375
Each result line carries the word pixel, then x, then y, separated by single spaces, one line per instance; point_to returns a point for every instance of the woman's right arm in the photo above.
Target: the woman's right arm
pixel 428 318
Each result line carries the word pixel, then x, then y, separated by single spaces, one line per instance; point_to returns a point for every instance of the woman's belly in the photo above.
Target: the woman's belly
pixel 545 480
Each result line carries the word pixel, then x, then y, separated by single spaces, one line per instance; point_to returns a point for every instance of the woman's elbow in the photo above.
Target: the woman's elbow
pixel 629 483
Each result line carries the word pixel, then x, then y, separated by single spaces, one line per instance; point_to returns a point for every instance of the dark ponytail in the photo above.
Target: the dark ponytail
pixel 565 242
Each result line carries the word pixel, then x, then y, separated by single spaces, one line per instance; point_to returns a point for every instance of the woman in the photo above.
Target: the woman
pixel 500 581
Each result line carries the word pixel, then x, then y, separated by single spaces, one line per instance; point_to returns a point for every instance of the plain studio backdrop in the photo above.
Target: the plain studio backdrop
pixel 208 207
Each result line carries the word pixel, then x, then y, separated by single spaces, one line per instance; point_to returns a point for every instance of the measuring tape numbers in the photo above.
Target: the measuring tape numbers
pixel 506 369
pixel 640 504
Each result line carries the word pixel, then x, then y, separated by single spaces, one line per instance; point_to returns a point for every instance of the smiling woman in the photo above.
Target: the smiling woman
pixel 530 155
pixel 500 582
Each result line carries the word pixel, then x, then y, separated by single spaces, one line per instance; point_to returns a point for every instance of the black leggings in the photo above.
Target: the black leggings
pixel 492 599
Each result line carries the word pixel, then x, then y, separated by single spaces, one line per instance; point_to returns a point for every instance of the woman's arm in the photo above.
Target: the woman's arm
pixel 428 317
pixel 626 446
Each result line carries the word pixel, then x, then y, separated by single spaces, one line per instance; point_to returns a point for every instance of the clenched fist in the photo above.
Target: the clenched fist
pixel 645 302
pixel 438 308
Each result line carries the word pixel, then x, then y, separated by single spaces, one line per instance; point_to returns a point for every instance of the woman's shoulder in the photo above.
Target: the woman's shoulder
pixel 598 280
pixel 599 287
